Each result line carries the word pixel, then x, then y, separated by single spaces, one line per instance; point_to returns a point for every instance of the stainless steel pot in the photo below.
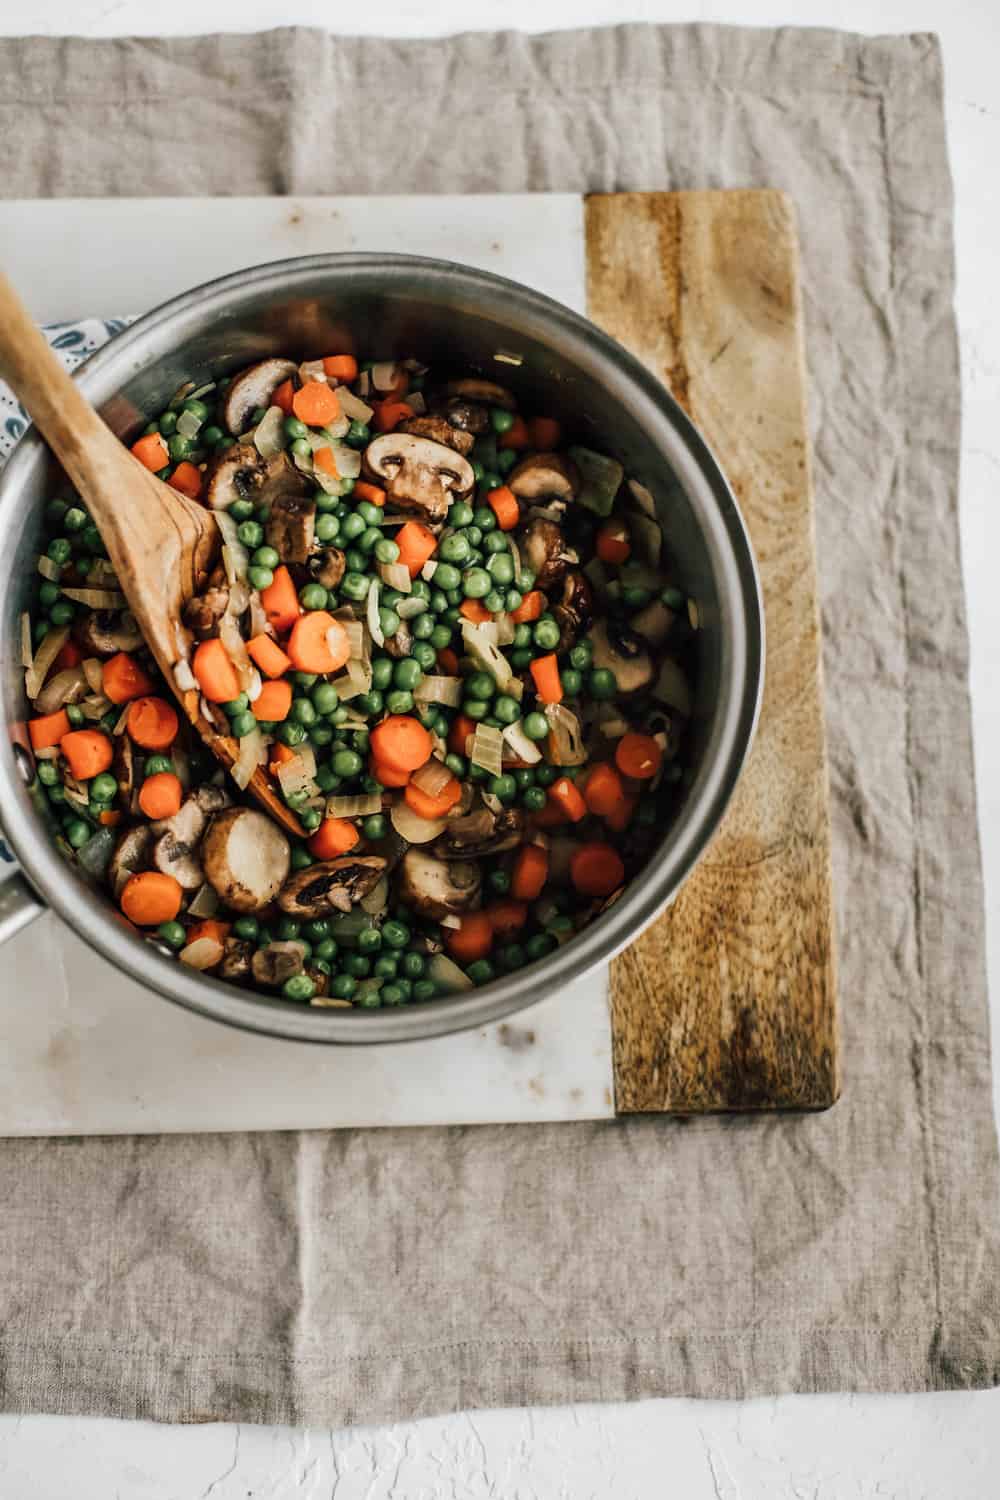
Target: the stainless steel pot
pixel 559 363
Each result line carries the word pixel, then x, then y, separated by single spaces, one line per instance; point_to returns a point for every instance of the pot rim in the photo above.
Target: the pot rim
pixel 673 859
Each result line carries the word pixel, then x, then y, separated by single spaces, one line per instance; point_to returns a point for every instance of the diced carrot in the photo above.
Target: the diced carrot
pixel 273 702
pixel 69 656
pixel 416 544
pixel 281 601
pixel 401 742
pixel 284 396
pixel 503 503
pixel 152 451
pixel 316 404
pixel 152 723
pixel 324 460
pixel 373 493
pixel 48 729
pixel 208 928
pixel 530 608
pixel 565 795
pixel 88 752
pixel 448 661
pixel 160 795
pixel 318 643
pixel 638 756
pixel 280 756
pixel 612 544
pixel 531 870
pixel 596 869
pixel 109 818
pixel 507 917
pixel 546 433
pixel 123 679
pixel 389 414
pixel 459 732
pixel 215 672
pixel 333 836
pixel 342 367
pixel 472 940
pixel 549 816
pixel 268 655
pixel 186 478
pixel 390 776
pixel 603 791
pixel 474 610
pixel 622 813
pixel 545 671
pixel 151 898
pixel 426 806
pixel 516 436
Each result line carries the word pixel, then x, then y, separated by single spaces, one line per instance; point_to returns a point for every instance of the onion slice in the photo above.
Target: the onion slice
pixel 414 829
pixel 44 657
pixel 432 777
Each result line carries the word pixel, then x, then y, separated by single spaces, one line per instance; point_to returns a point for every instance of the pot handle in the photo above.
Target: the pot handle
pixel 18 903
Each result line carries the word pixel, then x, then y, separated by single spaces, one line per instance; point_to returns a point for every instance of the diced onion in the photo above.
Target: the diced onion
pixel 95 707
pixel 521 747
pixel 414 829
pixel 428 570
pixel 205 902
pixel 348 460
pixel 189 424
pixel 43 659
pixel 259 624
pixel 693 615
pixel 451 920
pixel 355 632
pixel 235 557
pixel 182 393
pixel 102 572
pixel 372 614
pixel 184 678
pixel 487 749
pixel 551 512
pixel 203 953
pixel 385 374
pixel 252 753
pixel 515 688
pixel 567 736
pixel 269 434
pixel 614 728
pixel 68 686
pixel 648 538
pixel 377 898
pixel 408 609
pixel 486 654
pixel 515 557
pixel 96 598
pixel 27 655
pixel 352 406
pixel 303 462
pixel 47 752
pixel 359 806
pixel 235 647
pixel 493 803
pixel 505 627
pixel 671 687
pixel 432 777
pixel 202 390
pixel 364 383
pixel 312 369
pixel 255 686
pixel 94 673
pixel 643 498
pixel 397 576
pixel 447 975
pixel 299 773
pixel 49 569
pixel 433 689
pixel 121 721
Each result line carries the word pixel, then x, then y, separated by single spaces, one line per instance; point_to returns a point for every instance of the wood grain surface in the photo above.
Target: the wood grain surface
pixel 728 1001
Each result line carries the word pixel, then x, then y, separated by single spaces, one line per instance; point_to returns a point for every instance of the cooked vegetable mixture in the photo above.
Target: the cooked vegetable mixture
pixel 451 636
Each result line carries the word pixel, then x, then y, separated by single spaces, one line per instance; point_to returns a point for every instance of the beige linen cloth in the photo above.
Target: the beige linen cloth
pixel 370 1276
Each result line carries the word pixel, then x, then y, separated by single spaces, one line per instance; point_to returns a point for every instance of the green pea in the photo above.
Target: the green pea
pixel 250 533
pixel 326 950
pixel 358 434
pixel 57 793
pixel 504 787
pixel 546 634
pixel 325 697
pixel 506 460
pixel 601 684
pixel 375 826
pixel 91 539
pixel 265 557
pixel 173 934
pixel 47 773
pixel 501 568
pixel 370 940
pixel 328 504
pixel 496 541
pixel 386 966
pixel 445 575
pixel 167 424
pixel 514 599
pixel 343 986
pixel 407 674
pixel 195 406
pixel 413 965
pixel 61 612
pixel 520 659
pixel 370 703
pixel 392 994
pixel 302 711
pixel 104 787
pixel 395 934
pixel 533 798
pixel 212 436
pixel 326 780
pixel 389 621
pixel 501 420
pixel 290 734
pixel 451 615
pixel 506 709
pixel 77 833
pixel 456 764
pixel 320 734
pixel 75 519
pixel 546 775
pixel 246 928
pixel 424 655
pixel 314 596
pixel 460 514
pixel 581 655
pixel 294 428
pixel 399 701
pixel 55 510
pixel 327 528
pixel 370 538
pixel 386 550
pixel 300 858
pixel 476 583
pixel 454 549
pixel 382 671
pixel 634 597
pixel 527 580
pixel 299 987
pixel 241 510
pixel 357 965
pixel 355 586
pixel 347 763
pixel 440 637
pixel 75 714
pixel 475 708
pixel 305 679
pixel 346 488
pixel 356 560
pixel 296 800
pixel 572 682
pixel 672 598
pixel 480 685
pixel 535 726
pixel 60 550
pixel 48 593
pixel 511 956
pixel 542 943
pixel 238 705
pixel 179 447
pixel 494 601
pixel 481 972
pixel 422 627
pixel 352 526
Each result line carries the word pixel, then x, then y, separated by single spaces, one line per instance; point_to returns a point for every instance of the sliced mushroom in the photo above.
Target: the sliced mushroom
pixel 105 632
pixel 487 391
pixel 203 612
pixel 575 609
pixel 332 885
pixel 544 551
pixel 482 832
pixel 251 389
pixel 654 622
pixel 420 476
pixel 439 430
pixel 246 858
pixel 276 962
pixel 211 798
pixel 240 473
pixel 624 654
pixel 123 765
pixel 438 888
pixel 328 566
pixel 467 416
pixel 177 855
pixel 290 527
pixel 544 474
pixel 236 960
pixel 133 853
pixel 187 824
pixel 401 642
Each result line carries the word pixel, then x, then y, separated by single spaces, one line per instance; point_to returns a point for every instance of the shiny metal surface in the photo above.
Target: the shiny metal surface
pixel 460 318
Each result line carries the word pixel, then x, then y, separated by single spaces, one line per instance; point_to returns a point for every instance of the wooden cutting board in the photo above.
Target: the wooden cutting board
pixel 728 1001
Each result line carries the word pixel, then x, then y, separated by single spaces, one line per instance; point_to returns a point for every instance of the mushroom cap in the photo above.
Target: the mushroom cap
pixel 439 430
pixel 626 656
pixel 132 854
pixel 236 959
pixel 419 474
pixel 480 832
pixel 438 888
pixel 468 416
pixel 290 527
pixel 575 608
pixel 472 388
pixel 276 962
pixel 331 885
pixel 246 858
pixel 240 473
pixel 545 550
pixel 253 387
pixel 545 474
pixel 174 857
pixel 105 632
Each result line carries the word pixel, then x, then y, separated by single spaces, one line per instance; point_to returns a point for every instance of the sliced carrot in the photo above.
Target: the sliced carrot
pixel 151 898
pixel 123 679
pixel 342 367
pixel 401 742
pixel 186 478
pixel 448 661
pixel 208 928
pixel 152 451
pixel 459 732
pixel 284 396
pixel 622 813
pixel 530 608
pixel 603 791
pixel 389 776
pixel 531 870
pixel 316 404
pixel 545 671
pixel 516 436
pixel 503 503
pixel 389 414
pixel 474 610
pixel 48 729
pixel 612 544
pixel 638 756
pixel 280 756
pixel 472 940
pixel 567 796
pixel 152 723
pixel 268 655
pixel 87 751
pixel 318 643
pixel 373 493
pixel 160 796
pixel 546 433
pixel 109 818
pixel 596 869
pixel 333 836
pixel 273 702
pixel 324 460
pixel 416 544
pixel 426 806
pixel 70 655
pixel 215 672
pixel 507 917
pixel 281 601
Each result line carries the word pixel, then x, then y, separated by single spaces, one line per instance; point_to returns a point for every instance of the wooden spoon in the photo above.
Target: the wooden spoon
pixel 162 544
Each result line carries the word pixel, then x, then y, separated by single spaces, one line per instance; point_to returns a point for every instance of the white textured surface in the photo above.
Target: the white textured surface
pixel 940 1447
